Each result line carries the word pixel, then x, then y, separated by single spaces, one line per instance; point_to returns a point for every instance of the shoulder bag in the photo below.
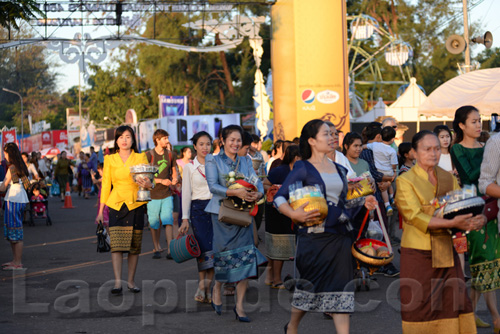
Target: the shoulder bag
pixel 490 208
pixel 230 214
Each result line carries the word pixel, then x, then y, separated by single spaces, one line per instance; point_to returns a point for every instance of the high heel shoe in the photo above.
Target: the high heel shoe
pixel 116 291
pixel 217 308
pixel 240 319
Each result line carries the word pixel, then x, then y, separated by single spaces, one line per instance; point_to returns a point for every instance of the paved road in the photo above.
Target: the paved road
pixel 66 290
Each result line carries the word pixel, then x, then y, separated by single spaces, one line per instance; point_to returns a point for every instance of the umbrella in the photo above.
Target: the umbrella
pixel 54 151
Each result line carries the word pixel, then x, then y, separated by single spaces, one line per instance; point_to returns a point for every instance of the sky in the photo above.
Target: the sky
pixel 485 13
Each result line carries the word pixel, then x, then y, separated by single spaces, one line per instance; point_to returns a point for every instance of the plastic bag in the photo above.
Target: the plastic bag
pixel 55 189
pixel 374 230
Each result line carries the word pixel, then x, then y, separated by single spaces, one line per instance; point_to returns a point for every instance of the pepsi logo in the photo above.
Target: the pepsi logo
pixel 328 96
pixel 308 96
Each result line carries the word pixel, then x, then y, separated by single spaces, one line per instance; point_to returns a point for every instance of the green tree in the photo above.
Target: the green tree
pixel 10 11
pixel 425 25
pixel 489 58
pixel 26 70
pixel 214 82
pixel 112 92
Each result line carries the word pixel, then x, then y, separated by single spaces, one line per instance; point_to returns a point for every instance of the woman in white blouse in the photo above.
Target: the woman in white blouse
pixel 444 134
pixel 195 197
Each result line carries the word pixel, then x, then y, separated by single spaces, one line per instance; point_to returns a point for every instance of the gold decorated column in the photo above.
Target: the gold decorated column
pixel 309 64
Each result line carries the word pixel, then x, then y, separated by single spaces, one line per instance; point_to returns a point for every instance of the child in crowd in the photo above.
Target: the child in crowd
pixel 37 201
pixel 406 157
pixel 386 162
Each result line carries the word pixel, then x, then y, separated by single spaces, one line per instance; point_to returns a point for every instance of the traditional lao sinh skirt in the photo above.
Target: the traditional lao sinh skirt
pixel 433 300
pixel 279 237
pixel 201 223
pixel 235 255
pixel 324 263
pixel 125 229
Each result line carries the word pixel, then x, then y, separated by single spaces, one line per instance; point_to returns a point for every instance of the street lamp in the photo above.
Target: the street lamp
pixel 22 114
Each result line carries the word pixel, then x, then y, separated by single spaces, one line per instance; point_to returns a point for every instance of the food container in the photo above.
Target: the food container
pixel 315 203
pixel 366 190
pixel 143 171
pixel 373 262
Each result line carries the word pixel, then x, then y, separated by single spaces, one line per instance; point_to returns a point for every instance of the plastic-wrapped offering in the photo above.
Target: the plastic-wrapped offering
pixel 459 202
pixel 143 168
pixel 312 195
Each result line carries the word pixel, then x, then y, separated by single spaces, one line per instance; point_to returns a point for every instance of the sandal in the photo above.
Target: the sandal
pixel 208 298
pixel 278 286
pixel 7 264
pixel 268 283
pixel 199 296
pixel 12 267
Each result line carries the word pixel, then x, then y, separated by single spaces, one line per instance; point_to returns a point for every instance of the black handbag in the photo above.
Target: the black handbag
pixel 102 239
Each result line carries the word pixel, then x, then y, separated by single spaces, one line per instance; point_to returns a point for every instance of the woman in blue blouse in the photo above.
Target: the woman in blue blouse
pixel 323 256
pixel 236 258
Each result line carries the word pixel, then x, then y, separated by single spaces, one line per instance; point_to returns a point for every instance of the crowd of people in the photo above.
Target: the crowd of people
pixel 405 178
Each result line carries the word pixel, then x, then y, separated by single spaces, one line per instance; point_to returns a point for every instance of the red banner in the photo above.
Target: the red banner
pixel 32 143
pixel 60 138
pixel 47 139
pixel 9 136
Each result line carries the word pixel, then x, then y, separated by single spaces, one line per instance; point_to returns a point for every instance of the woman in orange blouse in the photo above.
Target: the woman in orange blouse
pixel 126 215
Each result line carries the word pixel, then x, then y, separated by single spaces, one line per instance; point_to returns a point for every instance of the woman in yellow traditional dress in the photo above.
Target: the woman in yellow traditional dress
pixel 432 287
pixel 126 215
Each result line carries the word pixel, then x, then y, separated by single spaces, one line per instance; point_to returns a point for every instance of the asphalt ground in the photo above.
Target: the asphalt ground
pixel 66 289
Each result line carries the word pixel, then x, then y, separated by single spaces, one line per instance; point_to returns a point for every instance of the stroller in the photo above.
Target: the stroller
pixel 38 206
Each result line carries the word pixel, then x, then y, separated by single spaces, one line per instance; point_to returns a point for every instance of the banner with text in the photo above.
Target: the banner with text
pixel 182 128
pixel 173 105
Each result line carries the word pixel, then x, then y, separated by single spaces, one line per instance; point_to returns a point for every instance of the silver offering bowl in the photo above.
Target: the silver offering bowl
pixel 141 172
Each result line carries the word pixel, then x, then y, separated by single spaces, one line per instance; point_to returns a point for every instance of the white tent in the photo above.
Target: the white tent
pixel 377 111
pixel 478 88
pixel 405 108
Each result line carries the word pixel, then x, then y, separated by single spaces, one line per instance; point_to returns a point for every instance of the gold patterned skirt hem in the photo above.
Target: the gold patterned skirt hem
pixel 125 239
pixel 485 276
pixel 464 324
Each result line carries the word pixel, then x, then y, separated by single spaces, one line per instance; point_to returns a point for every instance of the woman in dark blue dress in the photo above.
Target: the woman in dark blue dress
pixel 323 257
pixel 280 235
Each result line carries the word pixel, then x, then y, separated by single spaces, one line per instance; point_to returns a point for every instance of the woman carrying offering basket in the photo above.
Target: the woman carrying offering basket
pixel 235 256
pixel 323 256
pixel 432 287
pixel 126 215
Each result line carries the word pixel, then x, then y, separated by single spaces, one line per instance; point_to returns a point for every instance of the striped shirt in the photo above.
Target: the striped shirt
pixel 490 167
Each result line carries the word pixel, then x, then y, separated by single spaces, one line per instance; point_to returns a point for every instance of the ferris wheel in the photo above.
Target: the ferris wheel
pixel 368 43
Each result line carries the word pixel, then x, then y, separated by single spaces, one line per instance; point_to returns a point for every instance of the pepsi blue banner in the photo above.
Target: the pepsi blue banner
pixel 173 105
